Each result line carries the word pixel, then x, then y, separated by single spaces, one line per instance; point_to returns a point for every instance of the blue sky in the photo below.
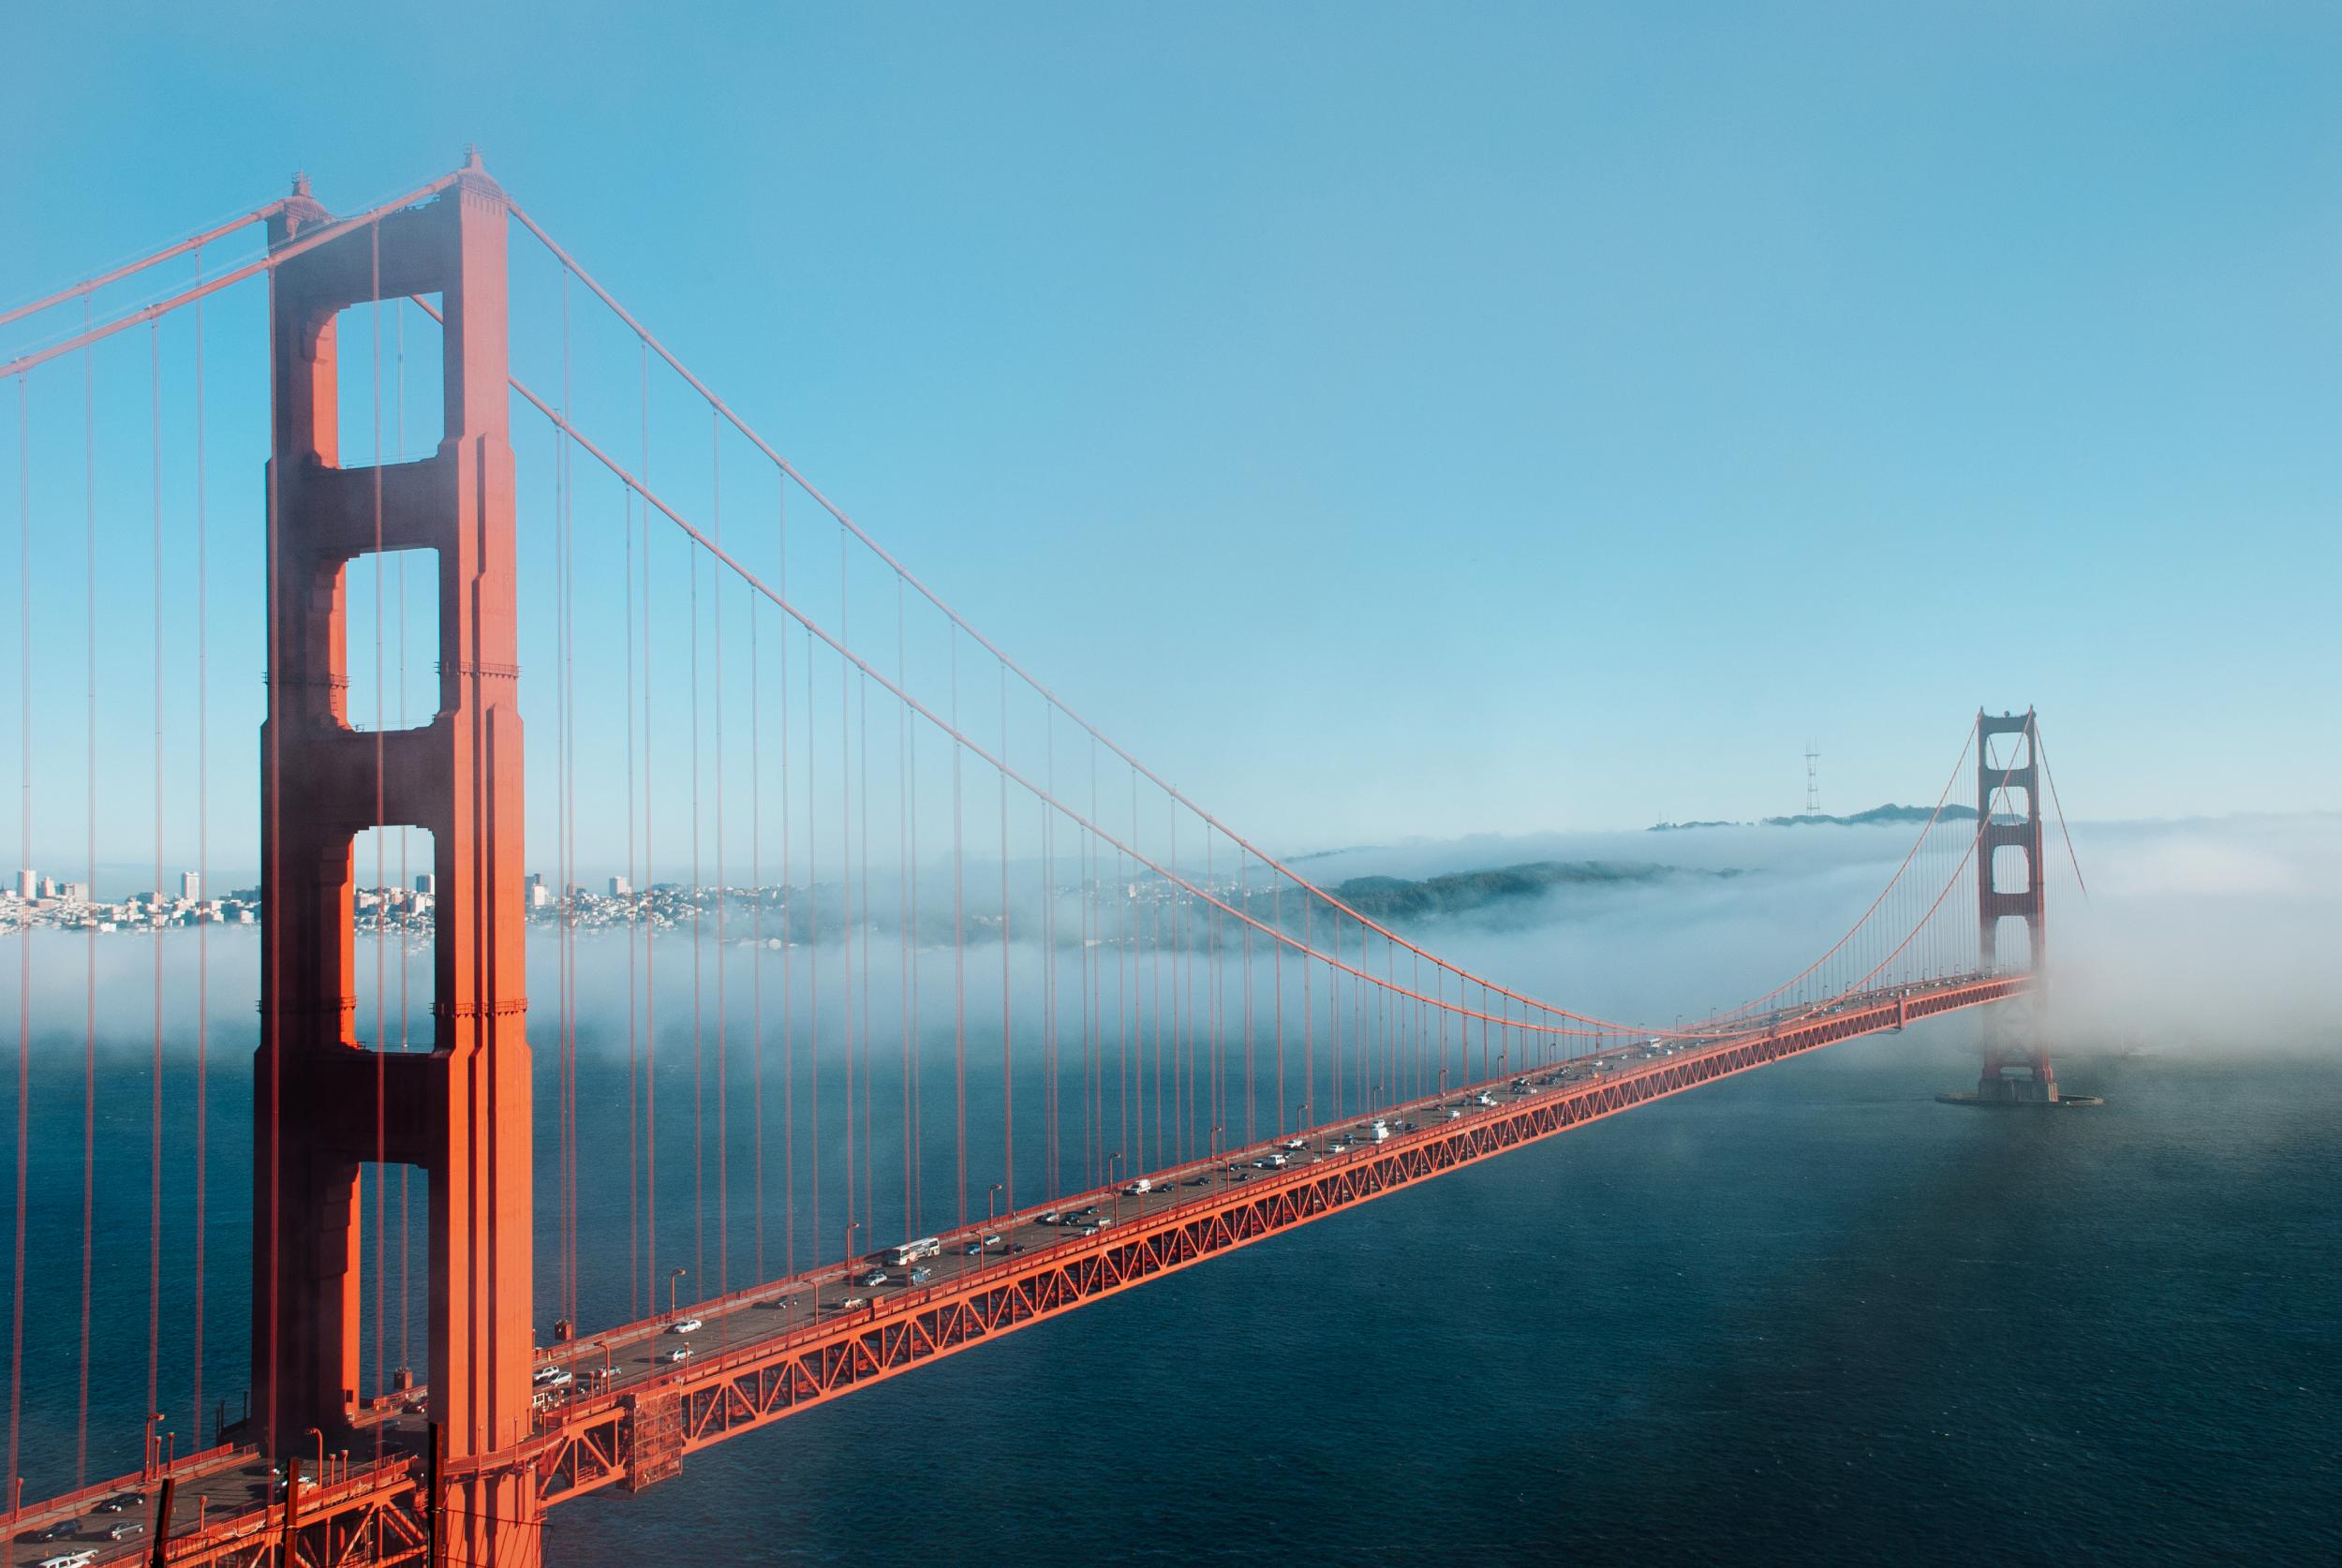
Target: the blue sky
pixel 1392 420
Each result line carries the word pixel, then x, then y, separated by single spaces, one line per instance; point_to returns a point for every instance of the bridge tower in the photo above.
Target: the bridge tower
pixel 2017 1066
pixel 326 1101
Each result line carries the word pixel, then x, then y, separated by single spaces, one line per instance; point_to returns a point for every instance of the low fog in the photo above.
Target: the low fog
pixel 2214 934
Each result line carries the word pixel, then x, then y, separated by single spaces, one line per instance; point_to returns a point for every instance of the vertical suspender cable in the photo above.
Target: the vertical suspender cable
pixel 650 926
pixel 699 1101
pixel 813 959
pixel 24 932
pixel 845 887
pixel 724 893
pixel 959 946
pixel 756 927
pixel 1008 1058
pixel 633 924
pixel 89 1051
pixel 903 920
pixel 788 937
pixel 155 1114
pixel 202 878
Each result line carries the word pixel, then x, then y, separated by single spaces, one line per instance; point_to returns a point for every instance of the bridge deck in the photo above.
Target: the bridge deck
pixel 765 1352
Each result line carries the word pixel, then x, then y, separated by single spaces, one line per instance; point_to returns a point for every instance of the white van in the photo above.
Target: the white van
pixel 1135 1187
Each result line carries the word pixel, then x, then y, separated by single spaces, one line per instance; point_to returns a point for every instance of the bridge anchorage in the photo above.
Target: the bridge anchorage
pixel 2017 1069
pixel 1223 1050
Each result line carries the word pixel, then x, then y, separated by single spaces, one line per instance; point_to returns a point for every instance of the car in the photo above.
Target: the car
pixel 550 1376
pixel 876 1277
pixel 71 1560
pixel 854 1303
pixel 1086 1230
pixel 1196 1181
pixel 1294 1145
pixel 57 1530
pixel 971 1249
pixel 920 1276
pixel 125 1530
pixel 1051 1217
pixel 681 1352
pixel 685 1326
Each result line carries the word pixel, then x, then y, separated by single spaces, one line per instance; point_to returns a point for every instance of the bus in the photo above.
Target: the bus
pixel 912 1251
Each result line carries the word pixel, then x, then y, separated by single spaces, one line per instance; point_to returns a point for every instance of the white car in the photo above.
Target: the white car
pixel 681 1352
pixel 71 1560
pixel 685 1326
pixel 553 1377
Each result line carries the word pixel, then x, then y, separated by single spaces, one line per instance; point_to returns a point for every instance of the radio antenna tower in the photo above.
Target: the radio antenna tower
pixel 1813 781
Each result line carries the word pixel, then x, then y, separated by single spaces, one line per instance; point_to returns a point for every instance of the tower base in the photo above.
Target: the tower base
pixel 2064 1102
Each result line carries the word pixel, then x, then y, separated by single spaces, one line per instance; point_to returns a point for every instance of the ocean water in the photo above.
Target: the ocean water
pixel 1806 1316
pixel 1809 1315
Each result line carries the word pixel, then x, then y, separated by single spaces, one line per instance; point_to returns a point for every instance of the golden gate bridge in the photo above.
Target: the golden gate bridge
pixel 1186 1045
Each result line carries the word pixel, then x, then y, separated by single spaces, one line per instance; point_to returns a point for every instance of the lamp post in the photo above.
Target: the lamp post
pixel 991 1214
pixel 1301 1122
pixel 1215 1143
pixel 851 1226
pixel 1114 1185
pixel 672 1275
pixel 316 1477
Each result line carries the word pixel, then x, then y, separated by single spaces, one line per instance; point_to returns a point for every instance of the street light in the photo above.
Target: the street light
pixel 672 1275
pixel 851 1226
pixel 1301 1122
pixel 1114 1185
pixel 991 1215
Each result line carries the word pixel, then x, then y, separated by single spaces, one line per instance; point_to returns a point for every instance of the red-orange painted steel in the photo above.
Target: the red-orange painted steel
pixel 326 1102
pixel 2016 1050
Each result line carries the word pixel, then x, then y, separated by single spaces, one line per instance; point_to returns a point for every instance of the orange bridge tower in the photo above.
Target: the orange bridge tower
pixel 328 1102
pixel 2009 886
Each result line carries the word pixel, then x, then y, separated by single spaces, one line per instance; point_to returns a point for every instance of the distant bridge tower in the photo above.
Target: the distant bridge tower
pixel 325 1103
pixel 2017 1066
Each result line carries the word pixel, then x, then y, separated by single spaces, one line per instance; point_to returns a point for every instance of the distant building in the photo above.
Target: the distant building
pixel 619 887
pixel 74 893
pixel 540 896
pixel 28 884
pixel 191 886
pixel 427 884
pixel 47 887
